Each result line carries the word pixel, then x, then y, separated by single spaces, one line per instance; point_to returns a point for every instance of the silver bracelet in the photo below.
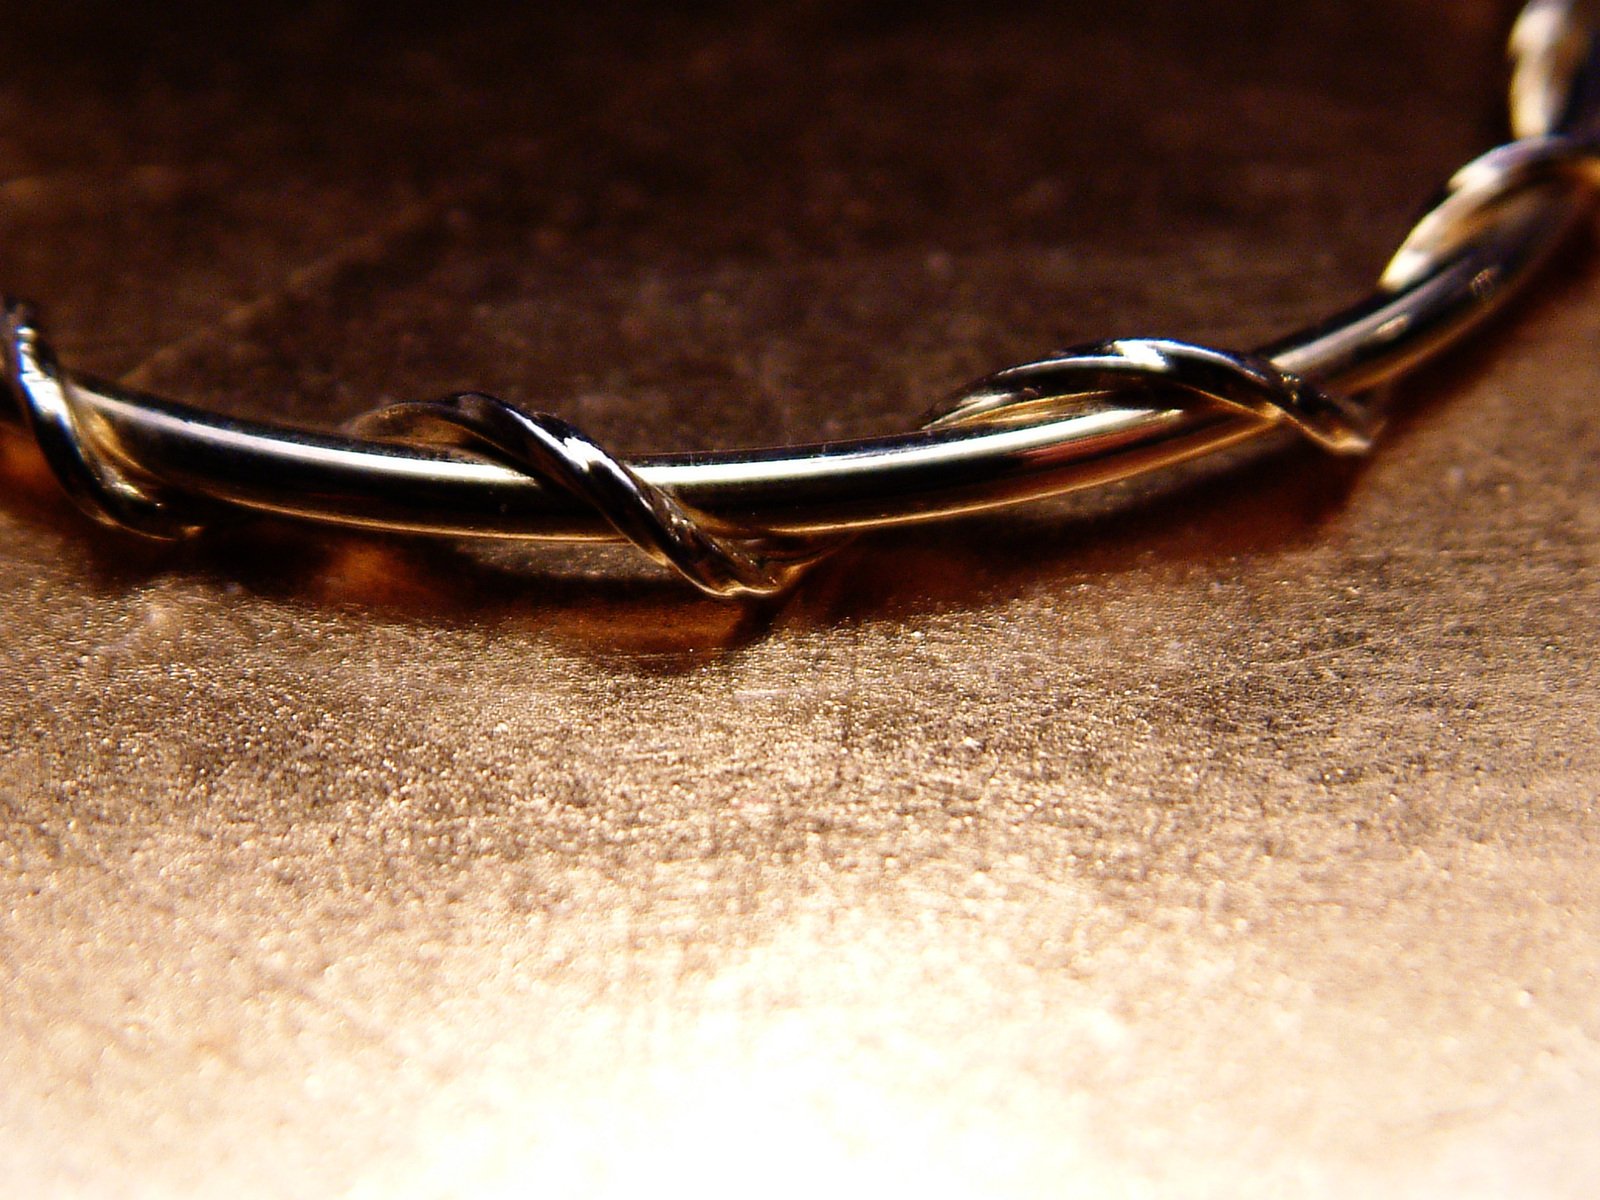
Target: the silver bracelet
pixel 748 522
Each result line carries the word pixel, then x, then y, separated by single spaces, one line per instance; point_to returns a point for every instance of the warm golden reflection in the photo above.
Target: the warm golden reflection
pixel 1238 842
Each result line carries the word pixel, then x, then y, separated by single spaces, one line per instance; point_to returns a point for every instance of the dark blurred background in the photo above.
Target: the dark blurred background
pixel 498 163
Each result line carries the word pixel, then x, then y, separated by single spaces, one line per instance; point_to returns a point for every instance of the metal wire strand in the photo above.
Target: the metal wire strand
pixel 727 559
pixel 718 558
pixel 102 487
pixel 748 523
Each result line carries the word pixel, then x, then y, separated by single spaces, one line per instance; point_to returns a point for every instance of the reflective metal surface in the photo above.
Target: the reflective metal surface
pixel 144 464
pixel 1239 840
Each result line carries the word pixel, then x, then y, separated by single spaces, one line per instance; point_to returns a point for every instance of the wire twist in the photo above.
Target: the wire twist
pixel 104 488
pixel 727 558
pixel 721 557
pixel 731 557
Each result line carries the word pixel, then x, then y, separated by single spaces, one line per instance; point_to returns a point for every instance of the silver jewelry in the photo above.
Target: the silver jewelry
pixel 748 522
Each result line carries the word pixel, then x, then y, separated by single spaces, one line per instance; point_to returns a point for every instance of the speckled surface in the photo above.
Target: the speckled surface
pixel 1236 842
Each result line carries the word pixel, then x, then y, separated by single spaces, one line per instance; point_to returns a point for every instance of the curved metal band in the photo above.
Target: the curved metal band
pixel 737 522
pixel 56 417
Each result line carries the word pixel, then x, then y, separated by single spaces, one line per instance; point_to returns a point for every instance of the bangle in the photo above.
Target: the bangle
pixel 748 522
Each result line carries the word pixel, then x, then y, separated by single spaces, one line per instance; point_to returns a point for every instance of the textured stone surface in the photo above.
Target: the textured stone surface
pixel 1239 842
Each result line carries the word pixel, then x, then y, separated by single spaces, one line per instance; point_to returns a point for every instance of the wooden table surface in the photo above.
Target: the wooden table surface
pixel 1235 841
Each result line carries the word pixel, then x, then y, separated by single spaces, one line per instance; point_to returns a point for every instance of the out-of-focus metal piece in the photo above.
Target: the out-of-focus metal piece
pixel 91 476
pixel 747 522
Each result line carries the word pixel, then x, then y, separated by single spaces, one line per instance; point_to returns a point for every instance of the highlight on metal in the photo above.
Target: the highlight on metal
pixel 748 522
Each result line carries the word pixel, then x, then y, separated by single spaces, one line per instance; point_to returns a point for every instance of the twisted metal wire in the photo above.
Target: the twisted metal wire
pixel 732 559
pixel 100 485
pixel 717 556
pixel 739 555
pixel 722 558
